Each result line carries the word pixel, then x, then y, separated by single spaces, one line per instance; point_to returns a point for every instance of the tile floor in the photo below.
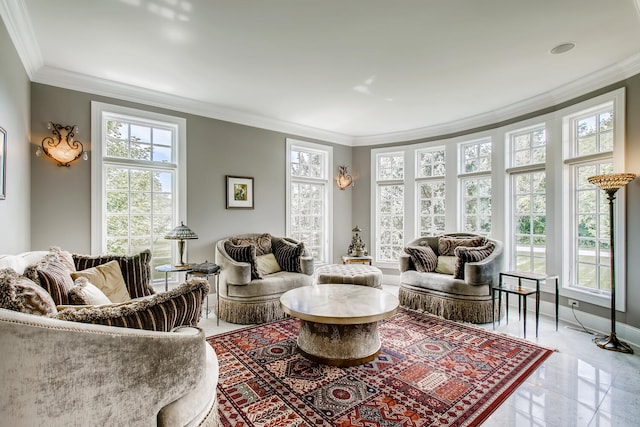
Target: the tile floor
pixel 580 385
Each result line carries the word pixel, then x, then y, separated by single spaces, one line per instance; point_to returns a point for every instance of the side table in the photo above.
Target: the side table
pixel 522 293
pixel 216 274
pixel 347 259
pixel 168 268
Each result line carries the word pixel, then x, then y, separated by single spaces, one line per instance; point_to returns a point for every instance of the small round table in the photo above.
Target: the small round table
pixel 339 323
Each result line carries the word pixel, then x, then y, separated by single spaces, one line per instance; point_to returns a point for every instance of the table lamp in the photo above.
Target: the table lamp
pixel 181 233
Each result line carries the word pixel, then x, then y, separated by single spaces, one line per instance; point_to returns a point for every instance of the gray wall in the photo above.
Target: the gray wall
pixel 362 203
pixel 61 196
pixel 14 118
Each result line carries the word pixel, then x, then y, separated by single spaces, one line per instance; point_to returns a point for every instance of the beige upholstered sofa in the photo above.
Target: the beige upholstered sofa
pixel 245 299
pixel 63 373
pixel 438 292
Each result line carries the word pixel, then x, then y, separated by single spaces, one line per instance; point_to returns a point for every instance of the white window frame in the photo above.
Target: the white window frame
pixel 326 181
pixel 512 172
pixel 98 187
pixel 464 176
pixel 429 179
pixel 617 100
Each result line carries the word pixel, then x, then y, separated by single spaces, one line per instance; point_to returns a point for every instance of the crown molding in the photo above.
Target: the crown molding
pixel 597 80
pixel 16 19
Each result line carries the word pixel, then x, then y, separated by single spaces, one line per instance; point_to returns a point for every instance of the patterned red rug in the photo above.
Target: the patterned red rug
pixel 430 372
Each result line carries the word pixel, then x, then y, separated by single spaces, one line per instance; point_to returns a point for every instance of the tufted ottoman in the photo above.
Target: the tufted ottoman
pixel 351 274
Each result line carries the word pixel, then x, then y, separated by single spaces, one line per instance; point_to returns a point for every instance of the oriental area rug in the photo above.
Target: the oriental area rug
pixel 430 372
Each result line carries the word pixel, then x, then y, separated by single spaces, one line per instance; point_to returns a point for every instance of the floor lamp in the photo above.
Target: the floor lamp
pixel 610 184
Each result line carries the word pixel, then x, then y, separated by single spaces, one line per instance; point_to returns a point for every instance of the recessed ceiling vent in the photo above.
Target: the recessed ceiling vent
pixel 562 48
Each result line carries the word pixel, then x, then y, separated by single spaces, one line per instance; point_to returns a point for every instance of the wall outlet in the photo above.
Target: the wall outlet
pixel 573 303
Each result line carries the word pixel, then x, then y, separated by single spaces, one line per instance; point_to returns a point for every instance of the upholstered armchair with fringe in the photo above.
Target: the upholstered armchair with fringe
pixel 451 276
pixel 255 270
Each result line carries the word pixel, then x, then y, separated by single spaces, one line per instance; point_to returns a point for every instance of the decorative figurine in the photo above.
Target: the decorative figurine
pixel 357 247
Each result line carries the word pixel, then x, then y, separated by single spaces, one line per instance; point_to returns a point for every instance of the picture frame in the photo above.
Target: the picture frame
pixel 239 192
pixel 3 164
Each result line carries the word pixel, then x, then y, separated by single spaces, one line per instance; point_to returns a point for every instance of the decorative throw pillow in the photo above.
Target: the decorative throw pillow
pixel 53 275
pixel 85 292
pixel 135 269
pixel 19 293
pixel 267 264
pixel 65 257
pixel 466 254
pixel 108 278
pixel 288 255
pixel 244 253
pixel 423 258
pixel 446 264
pixel 158 312
pixel 261 242
pixel 448 244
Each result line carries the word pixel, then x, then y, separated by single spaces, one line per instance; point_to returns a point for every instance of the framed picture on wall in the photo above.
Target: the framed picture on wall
pixel 3 164
pixel 239 192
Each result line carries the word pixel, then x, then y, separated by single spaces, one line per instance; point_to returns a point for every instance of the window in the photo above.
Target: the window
pixel 390 206
pixel 308 197
pixel 528 199
pixel 430 183
pixel 475 184
pixel 138 177
pixel 593 141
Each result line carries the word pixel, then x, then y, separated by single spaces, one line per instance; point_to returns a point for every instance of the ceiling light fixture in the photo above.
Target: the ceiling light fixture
pixel 562 48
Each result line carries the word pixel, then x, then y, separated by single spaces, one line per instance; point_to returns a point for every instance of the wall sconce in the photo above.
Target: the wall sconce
pixel 62 147
pixel 344 180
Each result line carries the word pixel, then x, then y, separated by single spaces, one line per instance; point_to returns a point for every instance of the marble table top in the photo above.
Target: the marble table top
pixel 339 304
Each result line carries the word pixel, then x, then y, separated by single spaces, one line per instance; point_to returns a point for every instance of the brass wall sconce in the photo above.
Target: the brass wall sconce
pixel 62 147
pixel 181 233
pixel 344 180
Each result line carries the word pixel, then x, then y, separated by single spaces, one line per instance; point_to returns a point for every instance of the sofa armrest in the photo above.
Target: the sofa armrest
pixel 159 312
pixel 484 272
pixel 307 265
pixel 405 263
pixel 104 375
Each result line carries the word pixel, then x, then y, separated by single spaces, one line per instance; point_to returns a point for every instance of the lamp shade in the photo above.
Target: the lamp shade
pixel 181 232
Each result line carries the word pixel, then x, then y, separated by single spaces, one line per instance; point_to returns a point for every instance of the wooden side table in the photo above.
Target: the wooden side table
pixel 523 292
pixel 347 259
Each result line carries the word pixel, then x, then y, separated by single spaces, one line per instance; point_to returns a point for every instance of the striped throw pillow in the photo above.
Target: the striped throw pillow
pixel 244 253
pixel 423 258
pixel 448 244
pixel 467 254
pixel 288 255
pixel 53 275
pixel 181 306
pixel 136 270
pixel 261 242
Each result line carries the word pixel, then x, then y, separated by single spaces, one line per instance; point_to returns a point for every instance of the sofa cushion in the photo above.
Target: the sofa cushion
pixel 262 243
pixel 65 257
pixel 244 253
pixel 448 244
pixel 53 275
pixel 108 278
pixel 267 264
pixel 158 312
pixel 288 255
pixel 470 254
pixel 446 264
pixel 136 270
pixel 273 284
pixel 19 293
pixel 423 258
pixel 86 293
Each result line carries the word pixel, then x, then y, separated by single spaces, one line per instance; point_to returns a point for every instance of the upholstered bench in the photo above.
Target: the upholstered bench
pixel 351 274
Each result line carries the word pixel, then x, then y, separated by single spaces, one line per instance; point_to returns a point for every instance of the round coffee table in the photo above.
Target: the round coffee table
pixel 339 323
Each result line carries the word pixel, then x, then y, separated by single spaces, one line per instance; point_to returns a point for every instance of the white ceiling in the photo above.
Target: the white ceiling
pixel 348 71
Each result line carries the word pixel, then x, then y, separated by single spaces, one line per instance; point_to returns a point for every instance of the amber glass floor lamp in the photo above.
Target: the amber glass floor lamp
pixel 611 183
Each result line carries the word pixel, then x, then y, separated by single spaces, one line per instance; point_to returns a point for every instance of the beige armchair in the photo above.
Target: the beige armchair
pixel 245 300
pixel 438 292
